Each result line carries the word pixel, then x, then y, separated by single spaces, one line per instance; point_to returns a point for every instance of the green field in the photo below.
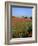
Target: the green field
pixel 22 30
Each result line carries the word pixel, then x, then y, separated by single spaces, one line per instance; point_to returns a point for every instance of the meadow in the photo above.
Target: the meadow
pixel 21 27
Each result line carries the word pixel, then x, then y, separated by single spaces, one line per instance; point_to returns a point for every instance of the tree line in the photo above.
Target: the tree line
pixel 27 17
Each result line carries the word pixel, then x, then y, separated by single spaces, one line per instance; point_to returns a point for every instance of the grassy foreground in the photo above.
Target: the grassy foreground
pixel 22 30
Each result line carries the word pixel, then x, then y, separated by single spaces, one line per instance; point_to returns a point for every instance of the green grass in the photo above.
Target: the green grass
pixel 22 29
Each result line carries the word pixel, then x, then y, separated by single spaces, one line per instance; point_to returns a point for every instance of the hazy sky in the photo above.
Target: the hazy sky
pixel 18 11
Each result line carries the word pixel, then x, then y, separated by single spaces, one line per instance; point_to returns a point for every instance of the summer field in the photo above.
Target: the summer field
pixel 21 27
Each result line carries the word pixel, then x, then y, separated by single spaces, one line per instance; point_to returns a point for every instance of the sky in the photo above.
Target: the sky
pixel 19 11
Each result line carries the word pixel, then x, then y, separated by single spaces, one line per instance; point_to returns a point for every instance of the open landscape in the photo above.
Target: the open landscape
pixel 21 27
pixel 21 22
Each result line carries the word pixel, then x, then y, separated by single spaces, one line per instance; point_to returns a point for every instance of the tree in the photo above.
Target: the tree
pixel 26 17
pixel 31 17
